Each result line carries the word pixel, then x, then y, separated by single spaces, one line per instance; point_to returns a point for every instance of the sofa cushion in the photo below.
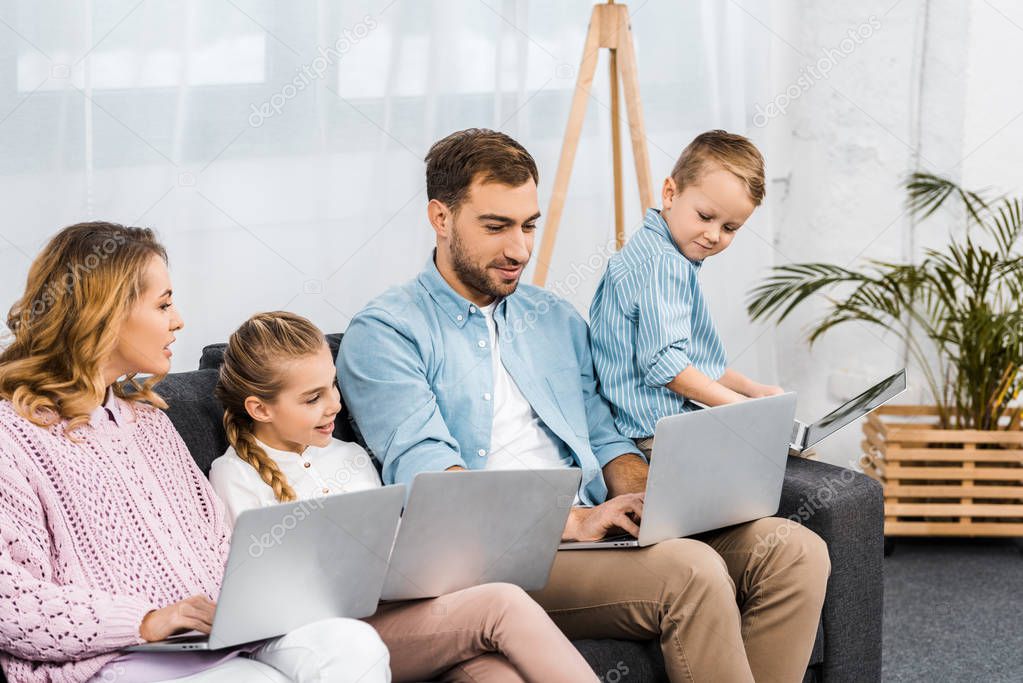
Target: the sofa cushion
pixel 196 414
pixel 624 660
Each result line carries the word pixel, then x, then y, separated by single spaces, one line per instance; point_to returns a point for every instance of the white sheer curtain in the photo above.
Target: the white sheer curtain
pixel 277 147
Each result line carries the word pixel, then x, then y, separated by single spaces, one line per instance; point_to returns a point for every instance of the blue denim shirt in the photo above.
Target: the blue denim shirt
pixel 415 372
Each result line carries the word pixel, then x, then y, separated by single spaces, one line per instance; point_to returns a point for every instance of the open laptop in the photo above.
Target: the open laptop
pixel 462 529
pixel 297 563
pixel 710 469
pixel 805 436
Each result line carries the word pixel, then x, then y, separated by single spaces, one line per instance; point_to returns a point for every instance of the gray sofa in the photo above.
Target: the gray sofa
pixel 844 508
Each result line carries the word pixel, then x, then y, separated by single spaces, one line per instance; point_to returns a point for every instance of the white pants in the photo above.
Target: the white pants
pixel 329 651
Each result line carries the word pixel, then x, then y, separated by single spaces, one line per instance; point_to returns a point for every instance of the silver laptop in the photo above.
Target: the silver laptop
pixel 462 529
pixel 710 469
pixel 296 563
pixel 805 436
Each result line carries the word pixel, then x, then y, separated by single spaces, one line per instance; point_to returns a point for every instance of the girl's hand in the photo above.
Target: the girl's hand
pixel 764 390
pixel 191 614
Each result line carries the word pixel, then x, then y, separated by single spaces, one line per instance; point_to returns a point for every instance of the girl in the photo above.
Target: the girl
pixel 109 534
pixel 279 390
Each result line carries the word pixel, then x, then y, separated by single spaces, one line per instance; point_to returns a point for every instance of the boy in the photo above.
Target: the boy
pixel 654 344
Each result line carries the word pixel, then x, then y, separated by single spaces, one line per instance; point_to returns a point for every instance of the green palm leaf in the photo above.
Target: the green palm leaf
pixel 957 310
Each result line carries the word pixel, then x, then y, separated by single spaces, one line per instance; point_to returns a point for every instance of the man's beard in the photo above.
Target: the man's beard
pixel 477 277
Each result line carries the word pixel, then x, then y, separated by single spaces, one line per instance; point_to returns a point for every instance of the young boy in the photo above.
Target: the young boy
pixel 654 344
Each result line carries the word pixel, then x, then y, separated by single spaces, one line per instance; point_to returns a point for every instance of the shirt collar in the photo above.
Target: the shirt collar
pixel 111 410
pixel 457 307
pixel 284 456
pixel 654 221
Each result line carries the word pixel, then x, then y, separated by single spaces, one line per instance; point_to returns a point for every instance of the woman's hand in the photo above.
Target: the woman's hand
pixel 191 614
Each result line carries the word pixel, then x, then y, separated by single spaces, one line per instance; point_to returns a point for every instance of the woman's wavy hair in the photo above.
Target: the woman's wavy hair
pixel 254 366
pixel 80 288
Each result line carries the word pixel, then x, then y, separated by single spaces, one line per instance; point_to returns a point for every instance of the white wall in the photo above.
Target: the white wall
pixel 993 126
pixel 843 145
pixel 932 89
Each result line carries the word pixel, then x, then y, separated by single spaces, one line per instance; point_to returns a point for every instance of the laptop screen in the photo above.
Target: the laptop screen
pixel 875 396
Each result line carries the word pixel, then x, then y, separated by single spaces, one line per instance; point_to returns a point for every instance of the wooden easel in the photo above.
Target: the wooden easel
pixel 609 27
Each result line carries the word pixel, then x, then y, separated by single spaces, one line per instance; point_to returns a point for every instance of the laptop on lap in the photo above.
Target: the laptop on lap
pixel 710 469
pixel 463 529
pixel 297 563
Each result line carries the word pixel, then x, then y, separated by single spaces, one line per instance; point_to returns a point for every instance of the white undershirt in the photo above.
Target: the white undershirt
pixel 338 467
pixel 518 438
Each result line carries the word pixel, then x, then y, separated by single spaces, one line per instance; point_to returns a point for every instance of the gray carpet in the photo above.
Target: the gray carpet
pixel 953 611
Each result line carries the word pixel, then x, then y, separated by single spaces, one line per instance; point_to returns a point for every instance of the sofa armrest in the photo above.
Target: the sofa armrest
pixel 846 509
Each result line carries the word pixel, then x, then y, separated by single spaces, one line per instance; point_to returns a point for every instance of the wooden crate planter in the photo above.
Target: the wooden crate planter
pixel 944 482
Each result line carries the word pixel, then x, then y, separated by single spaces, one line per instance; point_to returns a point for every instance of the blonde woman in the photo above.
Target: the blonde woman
pixel 109 534
pixel 280 397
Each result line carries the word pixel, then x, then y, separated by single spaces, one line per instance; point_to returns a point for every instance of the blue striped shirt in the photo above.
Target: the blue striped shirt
pixel 649 322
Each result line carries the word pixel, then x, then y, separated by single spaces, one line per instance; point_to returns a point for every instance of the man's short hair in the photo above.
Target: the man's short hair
pixel 718 148
pixel 454 163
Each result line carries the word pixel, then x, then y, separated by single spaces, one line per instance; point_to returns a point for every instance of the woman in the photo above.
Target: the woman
pixel 111 536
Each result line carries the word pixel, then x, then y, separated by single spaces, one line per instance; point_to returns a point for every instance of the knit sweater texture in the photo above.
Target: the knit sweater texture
pixel 96 531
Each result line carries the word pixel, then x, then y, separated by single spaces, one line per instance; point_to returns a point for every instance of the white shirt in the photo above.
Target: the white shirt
pixel 339 467
pixel 518 438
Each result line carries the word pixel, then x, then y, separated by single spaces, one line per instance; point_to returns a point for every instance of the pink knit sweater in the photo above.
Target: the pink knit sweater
pixel 95 534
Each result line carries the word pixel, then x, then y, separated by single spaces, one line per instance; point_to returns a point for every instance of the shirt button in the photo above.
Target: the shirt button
pixel 460 318
pixel 472 309
pixel 307 464
pixel 482 344
pixel 486 397
pixel 481 452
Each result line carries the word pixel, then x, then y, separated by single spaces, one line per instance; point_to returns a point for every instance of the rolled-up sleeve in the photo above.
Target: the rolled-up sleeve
pixel 664 330
pixel 383 379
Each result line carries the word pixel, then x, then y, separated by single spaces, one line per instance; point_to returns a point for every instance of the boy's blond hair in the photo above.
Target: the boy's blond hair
pixel 734 153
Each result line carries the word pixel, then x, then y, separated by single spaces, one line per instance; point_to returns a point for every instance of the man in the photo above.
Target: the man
pixel 465 368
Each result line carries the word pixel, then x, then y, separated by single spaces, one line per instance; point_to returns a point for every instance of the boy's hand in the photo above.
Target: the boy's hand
pixel 764 390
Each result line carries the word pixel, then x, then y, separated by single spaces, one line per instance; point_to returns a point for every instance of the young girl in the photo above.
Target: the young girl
pixel 279 390
pixel 109 534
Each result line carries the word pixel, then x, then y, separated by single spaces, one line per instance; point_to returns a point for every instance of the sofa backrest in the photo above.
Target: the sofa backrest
pixel 198 415
pixel 213 355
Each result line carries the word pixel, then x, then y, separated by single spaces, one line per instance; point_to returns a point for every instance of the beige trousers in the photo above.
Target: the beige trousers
pixel 494 632
pixel 739 604
pixel 736 604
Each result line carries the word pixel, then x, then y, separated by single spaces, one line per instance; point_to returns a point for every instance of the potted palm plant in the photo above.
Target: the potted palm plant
pixel 954 467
